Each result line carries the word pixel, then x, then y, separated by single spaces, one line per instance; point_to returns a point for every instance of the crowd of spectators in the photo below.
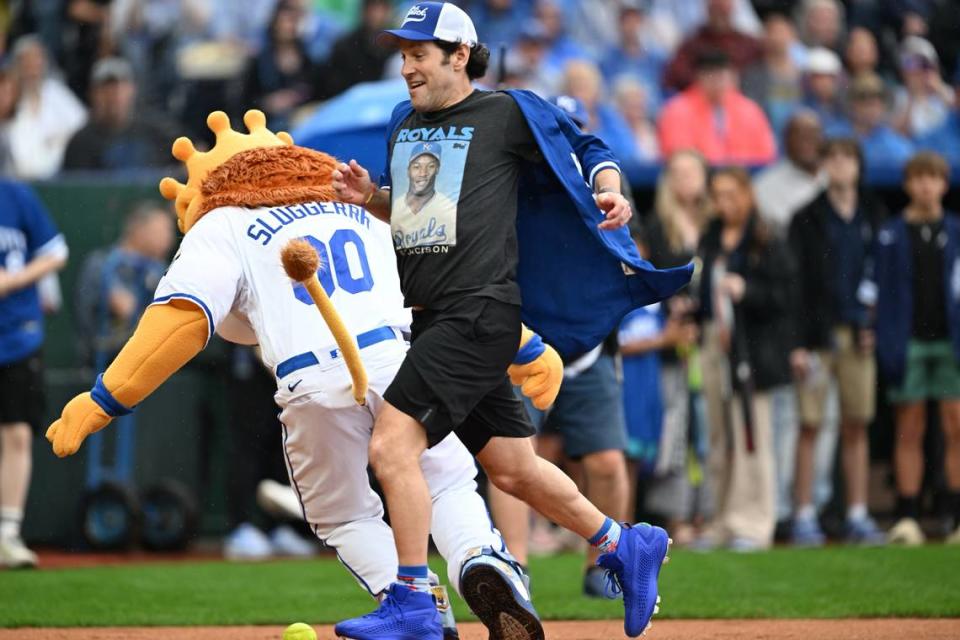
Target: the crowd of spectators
pixel 720 76
pixel 738 391
pixel 811 296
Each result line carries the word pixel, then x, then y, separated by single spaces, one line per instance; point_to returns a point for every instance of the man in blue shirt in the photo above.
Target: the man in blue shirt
pixel 561 48
pixel 882 146
pixel 632 56
pixel 30 248
pixel 116 283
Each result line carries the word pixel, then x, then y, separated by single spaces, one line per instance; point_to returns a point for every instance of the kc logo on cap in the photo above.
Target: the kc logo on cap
pixel 426 148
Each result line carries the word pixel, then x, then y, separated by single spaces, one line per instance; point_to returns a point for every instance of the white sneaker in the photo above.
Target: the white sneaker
pixel 15 555
pixel 279 500
pixel 954 538
pixel 745 545
pixel 246 542
pixel 906 532
pixel 285 542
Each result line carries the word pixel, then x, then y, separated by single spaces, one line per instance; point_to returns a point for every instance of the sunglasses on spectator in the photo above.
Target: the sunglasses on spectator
pixel 916 63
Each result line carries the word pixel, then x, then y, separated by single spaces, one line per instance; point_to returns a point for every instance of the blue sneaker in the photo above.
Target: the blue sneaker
pixel 633 569
pixel 864 531
pixel 806 533
pixel 403 615
pixel 493 585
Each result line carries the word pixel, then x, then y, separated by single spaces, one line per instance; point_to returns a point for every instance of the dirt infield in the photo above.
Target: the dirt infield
pixel 887 629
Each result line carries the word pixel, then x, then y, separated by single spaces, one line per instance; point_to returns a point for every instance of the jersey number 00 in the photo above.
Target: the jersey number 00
pixel 342 269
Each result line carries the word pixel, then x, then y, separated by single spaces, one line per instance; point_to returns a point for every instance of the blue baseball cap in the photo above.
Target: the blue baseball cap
pixel 573 108
pixel 434 21
pixel 425 148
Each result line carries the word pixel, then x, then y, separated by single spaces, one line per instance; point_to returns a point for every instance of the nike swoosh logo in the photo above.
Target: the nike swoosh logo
pixel 291 387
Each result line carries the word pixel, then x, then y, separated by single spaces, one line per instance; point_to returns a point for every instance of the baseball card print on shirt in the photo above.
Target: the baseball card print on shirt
pixel 427 177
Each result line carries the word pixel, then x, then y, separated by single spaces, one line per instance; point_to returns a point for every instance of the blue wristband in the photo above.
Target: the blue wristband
pixel 107 402
pixel 530 351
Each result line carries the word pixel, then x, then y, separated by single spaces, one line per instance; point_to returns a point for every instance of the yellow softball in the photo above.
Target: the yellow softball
pixel 299 631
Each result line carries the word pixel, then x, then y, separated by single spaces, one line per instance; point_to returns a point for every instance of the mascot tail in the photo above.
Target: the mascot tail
pixel 300 261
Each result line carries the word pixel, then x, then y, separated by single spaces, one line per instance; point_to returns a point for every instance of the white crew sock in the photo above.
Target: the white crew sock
pixel 857 512
pixel 806 512
pixel 10 519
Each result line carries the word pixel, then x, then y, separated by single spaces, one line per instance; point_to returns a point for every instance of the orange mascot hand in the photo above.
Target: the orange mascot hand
pixel 81 417
pixel 167 337
pixel 537 370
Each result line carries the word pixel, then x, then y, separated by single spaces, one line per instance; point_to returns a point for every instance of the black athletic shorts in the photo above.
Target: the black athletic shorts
pixel 21 391
pixel 454 377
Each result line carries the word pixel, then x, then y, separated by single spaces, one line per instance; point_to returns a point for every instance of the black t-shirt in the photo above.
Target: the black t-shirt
pixel 454 176
pixel 929 300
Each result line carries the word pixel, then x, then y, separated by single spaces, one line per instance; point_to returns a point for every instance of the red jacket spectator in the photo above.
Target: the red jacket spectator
pixel 714 118
pixel 718 33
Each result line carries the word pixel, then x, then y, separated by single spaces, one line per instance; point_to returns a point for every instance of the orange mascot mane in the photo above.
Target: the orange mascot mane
pixel 256 169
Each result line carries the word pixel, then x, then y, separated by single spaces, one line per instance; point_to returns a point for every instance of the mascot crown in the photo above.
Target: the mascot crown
pixel 189 197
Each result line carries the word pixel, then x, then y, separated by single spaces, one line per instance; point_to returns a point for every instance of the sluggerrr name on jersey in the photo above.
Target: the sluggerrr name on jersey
pixel 264 231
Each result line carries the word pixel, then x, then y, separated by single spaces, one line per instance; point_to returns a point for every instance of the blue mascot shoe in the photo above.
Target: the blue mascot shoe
pixel 403 615
pixel 633 569
pixel 495 587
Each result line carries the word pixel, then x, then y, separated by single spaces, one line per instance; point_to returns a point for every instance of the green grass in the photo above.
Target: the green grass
pixel 829 583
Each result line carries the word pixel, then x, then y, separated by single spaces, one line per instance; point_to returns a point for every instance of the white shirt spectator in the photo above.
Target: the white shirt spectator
pixel 924 101
pixel 41 129
pixel 781 190
pixel 923 113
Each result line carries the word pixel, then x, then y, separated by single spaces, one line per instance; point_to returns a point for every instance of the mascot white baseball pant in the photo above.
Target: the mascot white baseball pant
pixel 325 439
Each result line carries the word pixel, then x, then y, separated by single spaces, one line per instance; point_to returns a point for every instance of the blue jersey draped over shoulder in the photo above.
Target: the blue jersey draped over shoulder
pixel 577 281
